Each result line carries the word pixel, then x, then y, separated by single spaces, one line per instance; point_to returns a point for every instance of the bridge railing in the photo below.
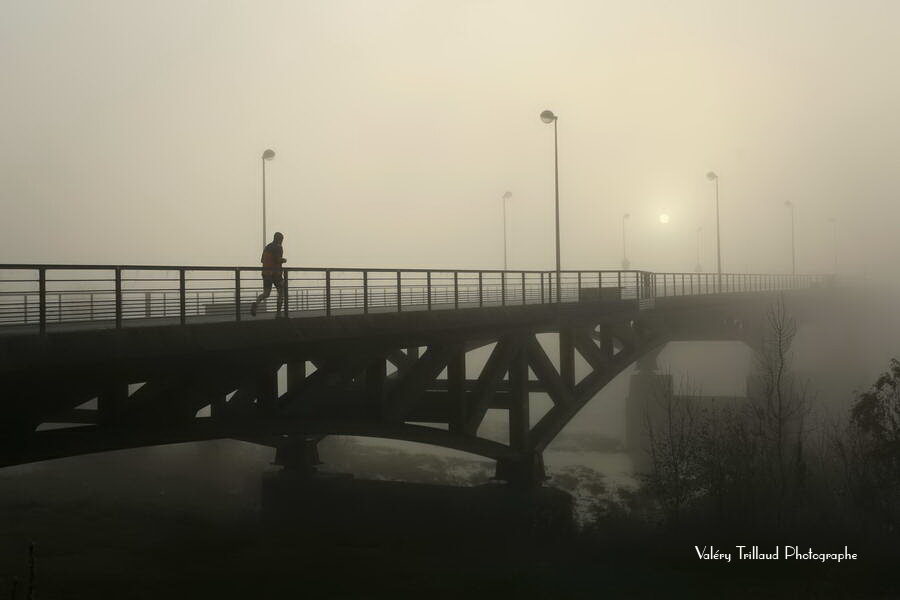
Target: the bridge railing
pixel 38 297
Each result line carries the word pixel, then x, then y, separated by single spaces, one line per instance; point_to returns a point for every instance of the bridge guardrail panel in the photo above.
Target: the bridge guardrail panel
pixel 49 296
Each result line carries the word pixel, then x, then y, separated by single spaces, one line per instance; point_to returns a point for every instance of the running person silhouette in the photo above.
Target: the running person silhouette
pixel 272 259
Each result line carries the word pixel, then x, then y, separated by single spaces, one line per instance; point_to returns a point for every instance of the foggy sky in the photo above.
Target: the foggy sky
pixel 132 131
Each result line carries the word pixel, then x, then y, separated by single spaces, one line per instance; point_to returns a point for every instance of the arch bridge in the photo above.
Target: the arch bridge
pixel 98 357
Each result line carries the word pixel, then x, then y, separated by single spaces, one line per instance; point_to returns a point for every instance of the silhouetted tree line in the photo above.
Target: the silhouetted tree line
pixel 770 466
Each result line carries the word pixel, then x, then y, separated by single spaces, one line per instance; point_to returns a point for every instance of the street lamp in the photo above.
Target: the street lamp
pixel 698 268
pixel 713 177
pixel 833 222
pixel 506 196
pixel 626 264
pixel 266 156
pixel 790 205
pixel 548 117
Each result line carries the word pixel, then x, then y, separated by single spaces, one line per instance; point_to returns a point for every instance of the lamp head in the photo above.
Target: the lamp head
pixel 626 216
pixel 268 154
pixel 788 203
pixel 507 195
pixel 547 116
pixel 712 176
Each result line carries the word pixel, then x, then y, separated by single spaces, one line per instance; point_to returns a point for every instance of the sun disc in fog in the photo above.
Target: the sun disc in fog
pixel 663 218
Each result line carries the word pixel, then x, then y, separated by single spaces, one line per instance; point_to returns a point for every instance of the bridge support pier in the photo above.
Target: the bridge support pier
pixel 298 455
pixel 525 471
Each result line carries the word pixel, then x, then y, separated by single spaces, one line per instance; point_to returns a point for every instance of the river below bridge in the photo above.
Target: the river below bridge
pixel 133 523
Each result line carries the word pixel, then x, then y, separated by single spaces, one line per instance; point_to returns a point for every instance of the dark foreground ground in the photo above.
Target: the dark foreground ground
pixel 122 529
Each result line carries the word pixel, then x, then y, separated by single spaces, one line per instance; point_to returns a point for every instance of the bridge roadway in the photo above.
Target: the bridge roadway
pixel 101 333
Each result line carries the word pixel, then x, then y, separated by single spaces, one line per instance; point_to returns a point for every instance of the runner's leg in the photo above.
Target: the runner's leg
pixel 279 289
pixel 267 289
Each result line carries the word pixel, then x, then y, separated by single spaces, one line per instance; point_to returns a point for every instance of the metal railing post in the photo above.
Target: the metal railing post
pixel 455 289
pixel 118 298
pixel 428 282
pixel 480 290
pixel 327 292
pixel 399 293
pixel 286 295
pixel 237 294
pixel 182 296
pixel 42 299
pixel 365 292
pixel 503 288
pixel 523 288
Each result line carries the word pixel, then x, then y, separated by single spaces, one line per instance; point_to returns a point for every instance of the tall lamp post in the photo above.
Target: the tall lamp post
pixel 699 267
pixel 548 117
pixel 790 205
pixel 713 177
pixel 266 156
pixel 834 247
pixel 626 264
pixel 506 196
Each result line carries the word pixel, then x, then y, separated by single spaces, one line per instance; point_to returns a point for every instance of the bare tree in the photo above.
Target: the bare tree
pixel 747 457
pixel 870 453
pixel 672 424
pixel 778 408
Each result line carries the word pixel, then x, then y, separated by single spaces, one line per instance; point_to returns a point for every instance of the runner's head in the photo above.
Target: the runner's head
pixel 278 237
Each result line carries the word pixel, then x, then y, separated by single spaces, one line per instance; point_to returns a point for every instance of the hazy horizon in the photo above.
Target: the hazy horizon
pixel 133 132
